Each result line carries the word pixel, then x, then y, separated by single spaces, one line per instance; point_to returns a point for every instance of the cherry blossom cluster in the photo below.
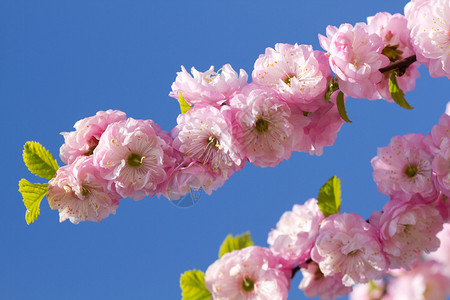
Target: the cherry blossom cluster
pixel 290 105
pixel 335 253
pixel 428 278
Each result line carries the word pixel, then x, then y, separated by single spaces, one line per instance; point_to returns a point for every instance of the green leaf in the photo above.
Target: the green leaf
pixel 193 286
pixel 235 243
pixel 39 160
pixel 329 199
pixel 32 194
pixel 341 107
pixel 397 93
pixel 184 106
pixel 333 86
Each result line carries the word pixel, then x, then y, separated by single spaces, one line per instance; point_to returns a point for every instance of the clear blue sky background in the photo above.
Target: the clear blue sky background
pixel 61 61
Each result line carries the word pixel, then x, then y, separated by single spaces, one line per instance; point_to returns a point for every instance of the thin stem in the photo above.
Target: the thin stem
pixel 401 64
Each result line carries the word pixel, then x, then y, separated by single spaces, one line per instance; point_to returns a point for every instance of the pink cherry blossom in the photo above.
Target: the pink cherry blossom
pixel 374 290
pixel 442 254
pixel 397 45
pixel 80 193
pixel 355 56
pixel 263 131
pixel 348 246
pixel 296 233
pixel 249 273
pixel 324 125
pixel 425 281
pixel 439 142
pixel 299 73
pixel 84 139
pixel 189 177
pixel 406 229
pixel 208 87
pixel 315 284
pixel 404 166
pixel 429 22
pixel 135 155
pixel 204 135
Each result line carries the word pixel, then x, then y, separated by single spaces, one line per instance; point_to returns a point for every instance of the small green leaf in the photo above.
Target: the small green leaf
pixel 32 194
pixel 184 106
pixel 235 243
pixel 329 199
pixel 193 286
pixel 333 86
pixel 39 160
pixel 340 103
pixel 397 93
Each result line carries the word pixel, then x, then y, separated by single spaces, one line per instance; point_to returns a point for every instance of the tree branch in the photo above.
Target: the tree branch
pixel 401 65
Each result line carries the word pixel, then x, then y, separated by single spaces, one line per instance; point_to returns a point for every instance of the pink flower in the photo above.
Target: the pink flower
pixel 314 283
pixel 83 141
pixel 425 281
pixel 429 22
pixel 80 193
pixel 296 233
pixel 208 87
pixel 324 125
pixel 406 229
pixel 397 45
pixel 297 72
pixel 442 254
pixel 135 156
pixel 262 128
pixel 349 246
pixel 205 135
pixel 189 177
pixel 355 56
pixel 404 166
pixel 374 290
pixel 249 273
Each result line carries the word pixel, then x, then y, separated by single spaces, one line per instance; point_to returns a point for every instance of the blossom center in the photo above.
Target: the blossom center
pixel 411 171
pixel 261 125
pixel 135 160
pixel 248 284
pixel 212 142
pixel 287 80
pixel 353 253
pixel 84 191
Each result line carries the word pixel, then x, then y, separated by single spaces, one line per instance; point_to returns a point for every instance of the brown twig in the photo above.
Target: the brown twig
pixel 401 65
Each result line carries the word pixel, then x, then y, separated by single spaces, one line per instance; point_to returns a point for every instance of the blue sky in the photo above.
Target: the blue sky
pixel 61 61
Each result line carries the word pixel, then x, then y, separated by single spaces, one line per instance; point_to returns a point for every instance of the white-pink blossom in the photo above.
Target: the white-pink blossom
pixel 135 156
pixel 395 35
pixel 374 290
pixel 315 284
pixel 442 254
pixel 355 57
pixel 190 177
pixel 425 281
pixel 80 193
pixel 404 167
pixel 406 229
pixel 348 246
pixel 204 135
pixel 247 274
pixel 209 86
pixel 263 132
pixel 88 131
pixel 323 126
pixel 299 73
pixel 296 233
pixel 429 22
